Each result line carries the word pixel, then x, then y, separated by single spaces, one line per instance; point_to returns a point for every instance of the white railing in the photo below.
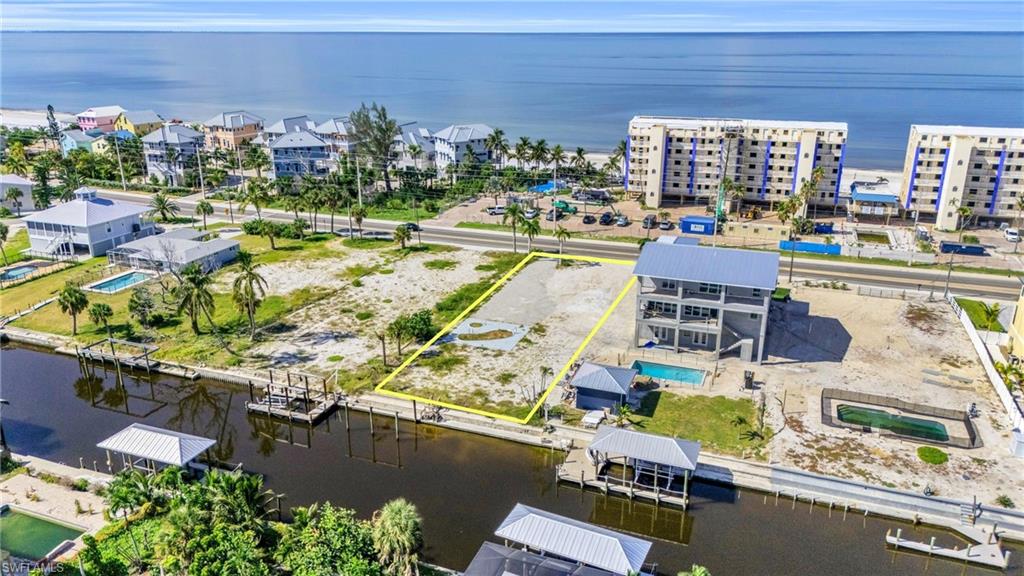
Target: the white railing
pixel 1013 410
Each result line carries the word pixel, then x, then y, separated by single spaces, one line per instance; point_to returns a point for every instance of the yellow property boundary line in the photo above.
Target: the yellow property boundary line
pixel 462 315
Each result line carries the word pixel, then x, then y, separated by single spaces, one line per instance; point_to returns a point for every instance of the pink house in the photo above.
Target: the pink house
pixel 99 118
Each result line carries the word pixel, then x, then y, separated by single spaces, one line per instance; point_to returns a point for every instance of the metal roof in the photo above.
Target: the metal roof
pixel 679 240
pixel 142 116
pixel 78 136
pixel 647 447
pixel 463 133
pixel 578 541
pixel 101 111
pixel 175 247
pixel 604 378
pixel 497 560
pixel 728 266
pixel 157 444
pixel 300 139
pixel 332 126
pixel 937 130
pixel 879 191
pixel 87 211
pixel 14 180
pixel 293 124
pixel 873 197
pixel 173 134
pixel 236 119
pixel 691 123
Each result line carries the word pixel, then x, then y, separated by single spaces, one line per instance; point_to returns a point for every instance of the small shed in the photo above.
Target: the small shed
pixel 657 461
pixel 600 387
pixel 144 447
pixel 553 535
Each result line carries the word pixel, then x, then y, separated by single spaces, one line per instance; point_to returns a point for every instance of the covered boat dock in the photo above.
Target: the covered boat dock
pixel 144 447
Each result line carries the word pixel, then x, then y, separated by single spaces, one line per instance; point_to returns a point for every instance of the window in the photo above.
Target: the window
pixel 667 284
pixel 706 288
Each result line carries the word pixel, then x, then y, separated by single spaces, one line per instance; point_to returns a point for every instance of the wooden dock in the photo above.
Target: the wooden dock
pixel 577 469
pixel 122 353
pixel 987 553
pixel 288 401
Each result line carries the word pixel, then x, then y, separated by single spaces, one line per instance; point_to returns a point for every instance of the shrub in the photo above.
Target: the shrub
pixel 80 485
pixel 1005 501
pixel 364 315
pixel 932 455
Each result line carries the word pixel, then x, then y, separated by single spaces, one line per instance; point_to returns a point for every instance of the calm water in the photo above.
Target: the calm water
pixel 463 484
pixel 573 89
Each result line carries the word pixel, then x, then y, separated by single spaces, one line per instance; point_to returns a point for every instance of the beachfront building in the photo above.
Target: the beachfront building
pixel 87 224
pixel 232 130
pixel 16 203
pixel 874 200
pixel 550 535
pixel 601 387
pixel 947 167
pixel 337 133
pixel 138 122
pixel 285 126
pixel 100 118
pixel 299 153
pixel 169 149
pixel 78 140
pixel 702 298
pixel 674 161
pixel 175 249
pixel 416 139
pixel 451 144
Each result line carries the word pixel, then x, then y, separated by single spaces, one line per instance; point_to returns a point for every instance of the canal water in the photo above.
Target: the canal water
pixel 463 484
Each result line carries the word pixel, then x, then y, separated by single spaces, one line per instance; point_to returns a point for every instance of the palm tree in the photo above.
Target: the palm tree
pixel 402 235
pixel 14 196
pixel 539 153
pixel 4 231
pixel 100 314
pixel 161 204
pixel 497 144
pixel 359 213
pixel 194 296
pixel 284 185
pixel 515 216
pixel 311 190
pixel 696 570
pixel 256 159
pixel 256 193
pixel 16 162
pixel 530 229
pixel 563 236
pixel 790 209
pixel 990 314
pixel 557 158
pixel 292 203
pixel 268 229
pixel 398 537
pixel 579 160
pixel 523 150
pixel 248 289
pixel 333 194
pixel 734 191
pixel 204 209
pixel 72 301
pixel 415 152
pixel 963 214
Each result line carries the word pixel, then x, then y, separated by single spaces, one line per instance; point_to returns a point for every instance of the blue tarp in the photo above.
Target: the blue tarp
pixel 812 247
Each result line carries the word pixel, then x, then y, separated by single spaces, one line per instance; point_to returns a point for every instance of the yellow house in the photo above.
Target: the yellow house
pixel 138 122
pixel 1016 329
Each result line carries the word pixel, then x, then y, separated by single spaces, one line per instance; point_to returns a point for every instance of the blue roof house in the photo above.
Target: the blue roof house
pixel 600 387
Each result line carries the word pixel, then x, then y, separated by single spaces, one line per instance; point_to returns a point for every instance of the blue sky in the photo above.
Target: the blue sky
pixel 523 16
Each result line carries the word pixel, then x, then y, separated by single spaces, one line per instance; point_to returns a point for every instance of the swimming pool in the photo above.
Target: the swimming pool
pixel 689 376
pixel 31 537
pixel 17 272
pixel 897 424
pixel 118 283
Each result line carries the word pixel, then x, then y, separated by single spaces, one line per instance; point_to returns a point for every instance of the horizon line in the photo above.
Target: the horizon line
pixel 510 33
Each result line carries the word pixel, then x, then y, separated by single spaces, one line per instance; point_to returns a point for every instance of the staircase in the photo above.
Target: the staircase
pixel 968 514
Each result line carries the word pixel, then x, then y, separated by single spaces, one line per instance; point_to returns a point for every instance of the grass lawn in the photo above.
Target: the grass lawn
pixel 976 312
pixel 548 232
pixel 707 419
pixel 14 245
pixel 398 214
pixel 34 291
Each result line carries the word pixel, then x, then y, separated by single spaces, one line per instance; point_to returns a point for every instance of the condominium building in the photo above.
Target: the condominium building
pixel 673 161
pixel 692 297
pixel 948 167
pixel 452 143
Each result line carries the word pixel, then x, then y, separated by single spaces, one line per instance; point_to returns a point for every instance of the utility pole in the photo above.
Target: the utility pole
pixel 120 166
pixel 913 236
pixel 728 137
pixel 199 163
pixel 949 273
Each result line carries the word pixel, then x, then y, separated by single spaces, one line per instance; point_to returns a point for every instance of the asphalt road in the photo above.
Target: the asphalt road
pixel 932 279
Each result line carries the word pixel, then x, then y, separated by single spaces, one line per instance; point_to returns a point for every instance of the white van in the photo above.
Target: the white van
pixel 1011 235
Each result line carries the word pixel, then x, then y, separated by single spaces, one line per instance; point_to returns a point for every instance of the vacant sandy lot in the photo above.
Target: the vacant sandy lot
pixel 559 304
pixel 371 288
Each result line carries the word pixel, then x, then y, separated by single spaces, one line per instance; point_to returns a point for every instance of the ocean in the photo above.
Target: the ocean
pixel 572 89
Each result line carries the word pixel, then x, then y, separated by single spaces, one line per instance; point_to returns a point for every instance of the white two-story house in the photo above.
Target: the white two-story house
pixel 451 144
pixel 692 297
pixel 86 224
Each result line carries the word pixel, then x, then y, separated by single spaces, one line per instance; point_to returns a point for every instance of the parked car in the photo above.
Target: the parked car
pixel 564 207
pixel 412 226
pixel 589 219
pixel 553 215
pixel 622 220
pixel 1011 235
pixel 606 219
pixel 495 210
pixel 531 213
pixel 650 221
pixel 665 225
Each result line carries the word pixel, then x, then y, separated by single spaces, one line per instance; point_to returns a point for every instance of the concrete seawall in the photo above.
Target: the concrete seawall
pixel 775 481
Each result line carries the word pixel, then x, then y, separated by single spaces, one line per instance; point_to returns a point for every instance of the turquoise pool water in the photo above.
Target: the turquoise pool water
pixel 17 272
pixel 30 537
pixel 689 376
pixel 111 285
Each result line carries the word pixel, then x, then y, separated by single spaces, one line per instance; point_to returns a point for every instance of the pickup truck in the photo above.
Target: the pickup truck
pixel 495 210
pixel 564 207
